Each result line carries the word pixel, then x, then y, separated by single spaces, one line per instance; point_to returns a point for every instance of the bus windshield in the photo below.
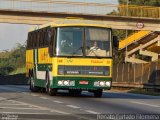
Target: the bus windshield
pixel 69 39
pixel 83 41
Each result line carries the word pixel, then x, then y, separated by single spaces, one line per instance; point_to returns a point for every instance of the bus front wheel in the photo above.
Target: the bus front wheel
pixel 49 90
pixel 98 93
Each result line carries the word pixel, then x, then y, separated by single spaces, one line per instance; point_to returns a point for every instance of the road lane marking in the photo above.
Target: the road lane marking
pixel 1 99
pixel 26 113
pixel 44 98
pixel 39 107
pixel 10 104
pixel 16 102
pixel 44 108
pixel 73 106
pixel 20 108
pixel 56 101
pixel 92 112
pixel 34 95
pixel 142 103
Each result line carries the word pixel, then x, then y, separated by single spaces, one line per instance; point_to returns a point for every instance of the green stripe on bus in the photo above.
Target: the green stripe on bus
pixel 41 83
pixel 44 67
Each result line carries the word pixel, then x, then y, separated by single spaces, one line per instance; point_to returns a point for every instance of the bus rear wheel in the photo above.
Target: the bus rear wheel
pixel 32 87
pixel 98 93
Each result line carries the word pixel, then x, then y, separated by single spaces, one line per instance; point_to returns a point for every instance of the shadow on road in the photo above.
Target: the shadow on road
pixel 108 95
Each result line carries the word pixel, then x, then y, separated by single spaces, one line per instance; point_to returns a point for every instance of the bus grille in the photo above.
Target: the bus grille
pixel 84 70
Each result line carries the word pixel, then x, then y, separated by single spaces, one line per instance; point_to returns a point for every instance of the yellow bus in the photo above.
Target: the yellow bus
pixel 70 54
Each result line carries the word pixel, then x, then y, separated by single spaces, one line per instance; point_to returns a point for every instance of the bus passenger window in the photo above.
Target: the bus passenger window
pixel 34 40
pixel 50 40
pixel 38 39
pixel 48 35
pixel 41 39
pixel 29 41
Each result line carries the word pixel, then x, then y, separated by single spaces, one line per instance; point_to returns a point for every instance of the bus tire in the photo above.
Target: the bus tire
pixel 98 93
pixel 50 91
pixel 32 87
pixel 53 92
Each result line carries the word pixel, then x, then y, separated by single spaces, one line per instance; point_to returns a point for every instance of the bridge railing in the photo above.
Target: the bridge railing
pixel 139 11
pixel 137 75
pixel 81 8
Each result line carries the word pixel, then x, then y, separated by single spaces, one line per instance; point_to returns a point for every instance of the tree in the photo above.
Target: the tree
pixel 12 60
pixel 141 2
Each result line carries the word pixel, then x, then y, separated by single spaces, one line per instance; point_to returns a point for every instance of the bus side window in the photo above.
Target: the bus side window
pixel 51 37
pixel 41 39
pixel 28 41
pixel 31 41
pixel 38 39
pixel 45 38
pixel 34 40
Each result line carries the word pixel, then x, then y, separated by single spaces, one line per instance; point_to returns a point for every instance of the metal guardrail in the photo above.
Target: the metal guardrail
pixel 81 8
pixel 137 75
pixel 134 85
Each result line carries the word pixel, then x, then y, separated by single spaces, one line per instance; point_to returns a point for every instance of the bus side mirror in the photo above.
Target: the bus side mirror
pixel 115 42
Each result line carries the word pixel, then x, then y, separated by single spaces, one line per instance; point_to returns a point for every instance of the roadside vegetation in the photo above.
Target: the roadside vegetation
pixel 13 61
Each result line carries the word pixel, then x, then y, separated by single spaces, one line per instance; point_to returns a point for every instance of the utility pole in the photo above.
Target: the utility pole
pixel 127 2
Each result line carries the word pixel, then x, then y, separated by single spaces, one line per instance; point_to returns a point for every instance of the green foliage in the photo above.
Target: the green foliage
pixel 6 70
pixel 141 2
pixel 135 10
pixel 12 60
pixel 118 55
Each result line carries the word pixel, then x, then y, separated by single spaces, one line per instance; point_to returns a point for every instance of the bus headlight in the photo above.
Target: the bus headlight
pixel 71 83
pixel 96 83
pixel 102 83
pixel 66 82
pixel 60 82
pixel 108 83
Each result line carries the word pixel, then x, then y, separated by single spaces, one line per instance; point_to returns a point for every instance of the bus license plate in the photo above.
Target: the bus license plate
pixel 83 82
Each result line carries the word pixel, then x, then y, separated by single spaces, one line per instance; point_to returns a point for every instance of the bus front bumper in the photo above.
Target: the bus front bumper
pixel 86 83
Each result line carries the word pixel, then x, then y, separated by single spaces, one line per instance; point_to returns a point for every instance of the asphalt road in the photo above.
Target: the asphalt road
pixel 17 102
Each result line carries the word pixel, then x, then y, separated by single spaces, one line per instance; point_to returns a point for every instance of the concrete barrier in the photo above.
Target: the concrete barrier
pixel 18 79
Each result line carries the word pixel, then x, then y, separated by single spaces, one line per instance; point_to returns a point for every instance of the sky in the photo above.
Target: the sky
pixel 11 34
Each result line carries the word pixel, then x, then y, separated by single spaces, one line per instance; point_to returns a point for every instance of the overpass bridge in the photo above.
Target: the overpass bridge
pixel 146 19
pixel 116 16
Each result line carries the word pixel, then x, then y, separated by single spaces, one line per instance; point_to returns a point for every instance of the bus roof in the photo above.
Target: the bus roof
pixel 71 22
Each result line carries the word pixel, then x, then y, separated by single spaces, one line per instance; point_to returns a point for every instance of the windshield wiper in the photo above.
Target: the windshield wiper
pixel 93 52
pixel 80 48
